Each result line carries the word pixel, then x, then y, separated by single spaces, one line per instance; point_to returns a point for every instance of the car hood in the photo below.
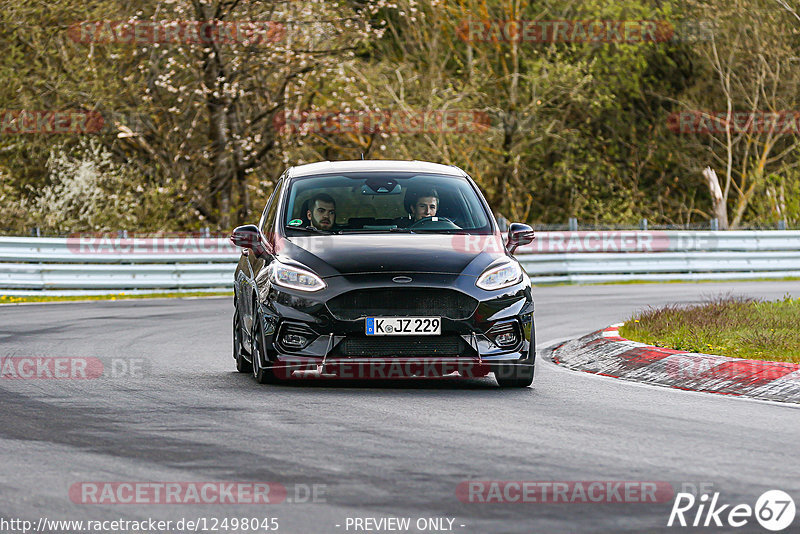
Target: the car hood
pixel 404 253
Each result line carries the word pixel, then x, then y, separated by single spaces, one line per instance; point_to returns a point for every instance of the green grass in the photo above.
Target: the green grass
pixel 8 299
pixel 726 325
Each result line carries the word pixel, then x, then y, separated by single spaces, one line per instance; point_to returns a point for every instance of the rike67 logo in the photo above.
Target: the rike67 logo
pixel 774 510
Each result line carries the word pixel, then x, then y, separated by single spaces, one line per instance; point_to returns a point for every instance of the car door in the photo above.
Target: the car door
pixel 256 262
pixel 245 287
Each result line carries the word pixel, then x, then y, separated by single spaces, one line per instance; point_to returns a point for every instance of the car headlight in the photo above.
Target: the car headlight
pixel 500 276
pixel 295 278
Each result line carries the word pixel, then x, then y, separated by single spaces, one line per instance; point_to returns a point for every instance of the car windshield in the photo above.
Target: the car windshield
pixel 384 202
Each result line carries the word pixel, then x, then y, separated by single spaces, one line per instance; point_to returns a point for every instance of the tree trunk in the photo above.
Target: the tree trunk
pixel 220 184
pixel 237 169
pixel 718 204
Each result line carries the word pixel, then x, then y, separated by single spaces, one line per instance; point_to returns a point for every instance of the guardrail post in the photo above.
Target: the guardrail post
pixel 35 232
pixel 643 224
pixel 573 224
pixel 714 224
pixel 782 224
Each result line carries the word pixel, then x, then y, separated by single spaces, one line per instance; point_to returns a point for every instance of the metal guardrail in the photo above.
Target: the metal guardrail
pixel 663 241
pixel 620 256
pixel 87 264
pixel 91 264
pixel 104 249
pixel 667 266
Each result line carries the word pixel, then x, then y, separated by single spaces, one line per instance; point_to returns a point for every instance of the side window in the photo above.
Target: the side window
pixel 269 211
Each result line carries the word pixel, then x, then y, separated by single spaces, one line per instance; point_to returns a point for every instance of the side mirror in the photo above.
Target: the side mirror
pixel 248 237
pixel 518 234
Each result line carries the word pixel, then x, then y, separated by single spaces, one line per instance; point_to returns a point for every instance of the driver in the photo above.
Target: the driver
pixel 420 204
pixel 322 211
pixel 425 205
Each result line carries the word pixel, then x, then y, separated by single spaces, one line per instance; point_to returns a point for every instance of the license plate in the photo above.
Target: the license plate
pixel 404 326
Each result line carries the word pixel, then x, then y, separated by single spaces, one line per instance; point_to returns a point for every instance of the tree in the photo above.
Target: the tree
pixel 198 112
pixel 568 119
pixel 743 117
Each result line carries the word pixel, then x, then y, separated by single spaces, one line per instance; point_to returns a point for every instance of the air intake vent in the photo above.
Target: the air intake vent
pixel 292 336
pixel 418 346
pixel 402 302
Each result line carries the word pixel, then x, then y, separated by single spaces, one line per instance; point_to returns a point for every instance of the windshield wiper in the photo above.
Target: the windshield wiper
pixel 441 230
pixel 311 229
pixel 378 230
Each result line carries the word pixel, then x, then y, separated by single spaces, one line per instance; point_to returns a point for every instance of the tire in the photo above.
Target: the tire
pixel 514 376
pixel 242 365
pixel 261 374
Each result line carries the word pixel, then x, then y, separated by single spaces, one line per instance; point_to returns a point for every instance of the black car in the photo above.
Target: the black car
pixel 393 265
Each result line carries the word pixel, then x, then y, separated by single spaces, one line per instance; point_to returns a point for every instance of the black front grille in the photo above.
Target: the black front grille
pixel 380 346
pixel 402 302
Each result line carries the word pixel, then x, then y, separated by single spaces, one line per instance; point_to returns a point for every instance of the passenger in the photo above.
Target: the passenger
pixel 322 211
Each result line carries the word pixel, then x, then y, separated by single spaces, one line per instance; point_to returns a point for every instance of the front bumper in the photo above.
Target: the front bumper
pixel 467 345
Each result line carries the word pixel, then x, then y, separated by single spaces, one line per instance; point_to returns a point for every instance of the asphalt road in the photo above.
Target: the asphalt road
pixel 395 449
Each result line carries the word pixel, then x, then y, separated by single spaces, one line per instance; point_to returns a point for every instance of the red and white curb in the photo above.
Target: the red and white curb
pixel 606 353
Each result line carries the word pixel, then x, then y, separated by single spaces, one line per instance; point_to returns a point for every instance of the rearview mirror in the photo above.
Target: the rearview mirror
pixel 249 237
pixel 518 235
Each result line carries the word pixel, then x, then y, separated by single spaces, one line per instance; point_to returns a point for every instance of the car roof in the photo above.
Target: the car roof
pixel 370 165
